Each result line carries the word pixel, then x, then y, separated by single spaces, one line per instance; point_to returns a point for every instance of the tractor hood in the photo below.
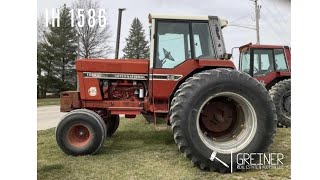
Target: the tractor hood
pixel 137 66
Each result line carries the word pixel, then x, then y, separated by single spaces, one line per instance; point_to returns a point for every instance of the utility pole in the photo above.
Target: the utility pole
pixel 257 10
pixel 118 32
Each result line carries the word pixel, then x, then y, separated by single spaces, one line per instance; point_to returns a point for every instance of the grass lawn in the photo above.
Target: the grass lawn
pixel 142 151
pixel 48 101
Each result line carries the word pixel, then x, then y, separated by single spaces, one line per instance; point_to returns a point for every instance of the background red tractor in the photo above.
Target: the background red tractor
pixel 214 110
pixel 271 65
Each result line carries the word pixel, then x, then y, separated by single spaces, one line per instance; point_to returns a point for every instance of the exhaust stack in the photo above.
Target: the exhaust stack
pixel 118 32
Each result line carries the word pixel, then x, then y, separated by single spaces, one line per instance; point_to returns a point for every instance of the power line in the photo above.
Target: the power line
pixel 243 26
pixel 276 19
pixel 241 18
pixel 275 32
pixel 278 10
pixel 250 4
pixel 257 17
pixel 258 11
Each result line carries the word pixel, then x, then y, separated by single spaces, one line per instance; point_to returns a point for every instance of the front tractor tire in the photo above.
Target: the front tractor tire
pixel 112 123
pixel 81 132
pixel 281 96
pixel 218 112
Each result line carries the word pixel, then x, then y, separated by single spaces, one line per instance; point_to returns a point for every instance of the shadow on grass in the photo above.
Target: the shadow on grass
pixel 50 167
pixel 54 171
pixel 123 141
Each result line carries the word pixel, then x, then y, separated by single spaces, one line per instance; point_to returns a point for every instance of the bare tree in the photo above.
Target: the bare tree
pixel 41 29
pixel 93 41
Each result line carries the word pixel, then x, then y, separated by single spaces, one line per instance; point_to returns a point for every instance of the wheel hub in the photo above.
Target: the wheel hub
pixel 226 122
pixel 217 116
pixel 79 135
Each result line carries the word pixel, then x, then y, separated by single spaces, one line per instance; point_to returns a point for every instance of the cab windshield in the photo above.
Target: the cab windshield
pixel 175 43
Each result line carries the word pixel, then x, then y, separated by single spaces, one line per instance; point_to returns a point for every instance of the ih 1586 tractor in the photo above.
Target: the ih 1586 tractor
pixel 214 110
pixel 271 65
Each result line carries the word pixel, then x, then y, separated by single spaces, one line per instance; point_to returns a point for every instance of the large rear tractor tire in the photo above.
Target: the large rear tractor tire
pixel 216 114
pixel 281 96
pixel 80 132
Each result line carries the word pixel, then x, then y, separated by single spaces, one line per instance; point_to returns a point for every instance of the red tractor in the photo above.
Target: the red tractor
pixel 214 110
pixel 271 65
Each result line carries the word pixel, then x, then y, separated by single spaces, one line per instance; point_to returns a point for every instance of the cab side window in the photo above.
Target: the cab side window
pixel 263 61
pixel 173 44
pixel 281 64
pixel 202 41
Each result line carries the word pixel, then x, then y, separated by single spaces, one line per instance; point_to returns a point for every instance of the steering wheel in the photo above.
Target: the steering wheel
pixel 167 55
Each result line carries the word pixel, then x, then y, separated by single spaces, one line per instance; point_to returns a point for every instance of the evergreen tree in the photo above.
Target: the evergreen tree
pixel 56 56
pixel 137 46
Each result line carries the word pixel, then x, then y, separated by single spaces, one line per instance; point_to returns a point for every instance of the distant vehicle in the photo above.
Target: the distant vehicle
pixel 271 65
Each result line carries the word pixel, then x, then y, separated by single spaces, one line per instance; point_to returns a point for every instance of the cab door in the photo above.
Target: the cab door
pixel 177 43
pixel 171 48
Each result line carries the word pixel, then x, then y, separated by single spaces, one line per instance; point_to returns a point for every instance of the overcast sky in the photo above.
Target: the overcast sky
pixel 275 19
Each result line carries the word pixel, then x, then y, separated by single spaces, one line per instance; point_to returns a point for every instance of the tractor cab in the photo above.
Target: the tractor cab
pixel 265 62
pixel 179 38
pixel 271 66
pixel 259 60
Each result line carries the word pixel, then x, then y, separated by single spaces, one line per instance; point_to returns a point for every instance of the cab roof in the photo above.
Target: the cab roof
pixel 168 16
pixel 262 46
pixel 223 22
